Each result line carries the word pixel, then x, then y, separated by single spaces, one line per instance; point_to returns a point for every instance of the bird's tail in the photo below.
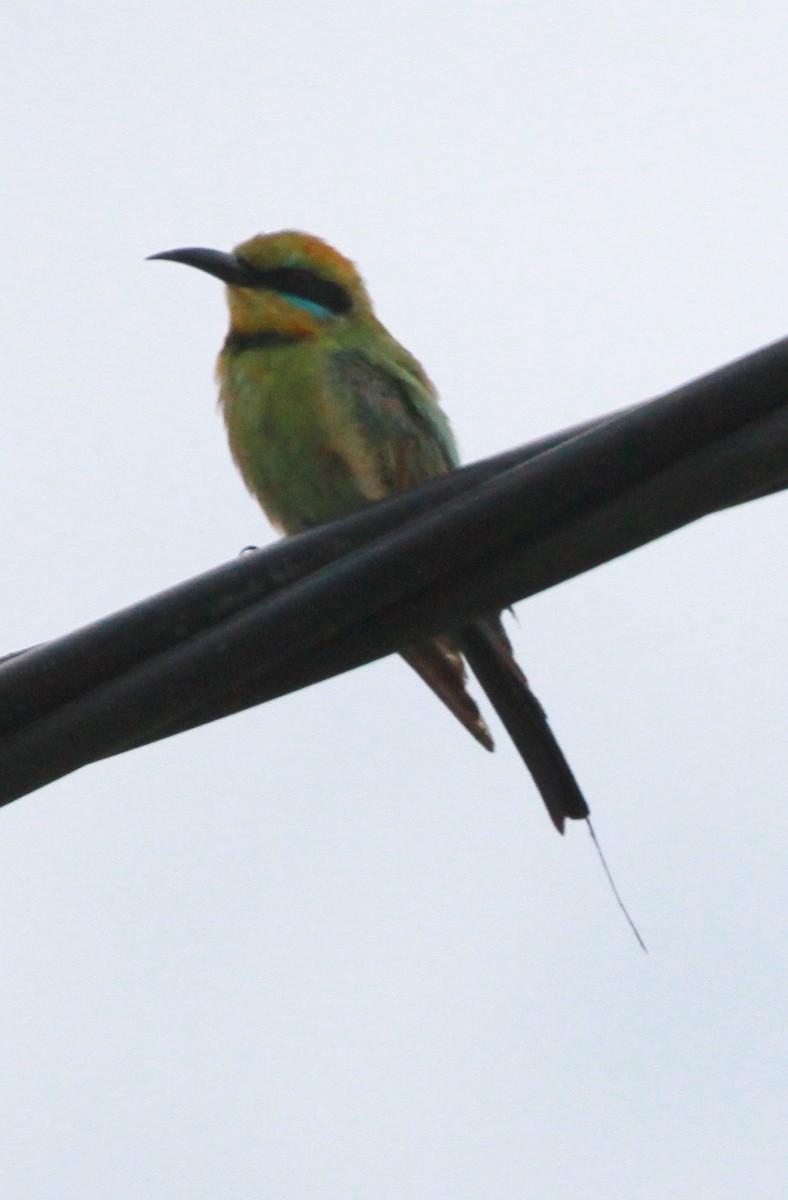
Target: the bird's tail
pixel 489 654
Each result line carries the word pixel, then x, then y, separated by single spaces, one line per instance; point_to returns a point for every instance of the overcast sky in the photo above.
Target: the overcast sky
pixel 329 948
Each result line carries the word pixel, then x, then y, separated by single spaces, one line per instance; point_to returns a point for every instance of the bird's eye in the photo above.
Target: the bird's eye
pixel 303 284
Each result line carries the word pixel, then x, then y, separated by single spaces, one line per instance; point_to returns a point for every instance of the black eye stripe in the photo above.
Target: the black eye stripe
pixel 301 282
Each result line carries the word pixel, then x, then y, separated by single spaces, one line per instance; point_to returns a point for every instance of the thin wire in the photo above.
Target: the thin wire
pixel 613 887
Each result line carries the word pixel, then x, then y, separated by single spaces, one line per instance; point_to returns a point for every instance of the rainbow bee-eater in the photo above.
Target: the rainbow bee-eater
pixel 327 413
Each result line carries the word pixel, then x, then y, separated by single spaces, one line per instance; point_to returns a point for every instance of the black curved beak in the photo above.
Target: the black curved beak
pixel 226 267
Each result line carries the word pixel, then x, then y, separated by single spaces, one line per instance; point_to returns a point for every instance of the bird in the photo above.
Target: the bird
pixel 327 413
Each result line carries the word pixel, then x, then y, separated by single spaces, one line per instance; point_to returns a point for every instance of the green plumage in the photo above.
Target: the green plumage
pixel 321 428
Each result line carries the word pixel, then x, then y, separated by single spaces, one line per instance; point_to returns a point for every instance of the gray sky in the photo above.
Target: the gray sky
pixel 329 948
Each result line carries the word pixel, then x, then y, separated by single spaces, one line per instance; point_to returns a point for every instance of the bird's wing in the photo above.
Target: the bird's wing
pixel 387 424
